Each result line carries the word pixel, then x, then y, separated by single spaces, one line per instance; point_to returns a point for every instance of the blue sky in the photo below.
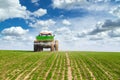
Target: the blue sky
pixel 88 25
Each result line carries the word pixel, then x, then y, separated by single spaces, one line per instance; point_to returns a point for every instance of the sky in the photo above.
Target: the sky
pixel 78 25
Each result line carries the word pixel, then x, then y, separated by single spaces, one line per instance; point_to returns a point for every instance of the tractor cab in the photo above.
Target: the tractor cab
pixel 45 33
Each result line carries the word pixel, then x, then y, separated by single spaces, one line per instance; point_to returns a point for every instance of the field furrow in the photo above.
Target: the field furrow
pixel 76 70
pixel 69 67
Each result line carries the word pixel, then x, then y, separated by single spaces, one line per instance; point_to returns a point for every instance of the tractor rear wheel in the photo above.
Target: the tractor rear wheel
pixel 56 45
pixel 40 48
pixel 52 47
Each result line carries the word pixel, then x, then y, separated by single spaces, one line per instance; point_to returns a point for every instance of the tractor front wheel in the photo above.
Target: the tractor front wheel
pixel 56 45
pixel 52 47
pixel 35 48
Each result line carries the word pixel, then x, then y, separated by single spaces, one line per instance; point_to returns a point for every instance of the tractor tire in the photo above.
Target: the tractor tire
pixel 35 48
pixel 40 48
pixel 56 45
pixel 52 47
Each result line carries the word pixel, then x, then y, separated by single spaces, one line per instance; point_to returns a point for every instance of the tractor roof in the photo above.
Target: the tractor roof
pixel 46 33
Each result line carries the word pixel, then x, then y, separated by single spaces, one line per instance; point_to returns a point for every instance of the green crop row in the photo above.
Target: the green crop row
pixel 28 65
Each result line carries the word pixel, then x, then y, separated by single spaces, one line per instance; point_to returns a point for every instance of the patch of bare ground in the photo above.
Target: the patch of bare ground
pixel 69 67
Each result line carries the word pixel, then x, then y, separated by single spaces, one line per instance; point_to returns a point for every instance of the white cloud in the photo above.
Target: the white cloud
pixel 65 34
pixel 116 11
pixel 63 30
pixel 43 23
pixel 103 30
pixel 80 29
pixel 85 4
pixel 117 0
pixel 40 12
pixel 66 22
pixel 34 1
pixel 17 43
pixel 99 36
pixel 100 27
pixel 11 9
pixel 97 1
pixel 67 3
pixel 8 38
pixel 114 33
pixel 18 38
pixel 98 7
pixel 14 31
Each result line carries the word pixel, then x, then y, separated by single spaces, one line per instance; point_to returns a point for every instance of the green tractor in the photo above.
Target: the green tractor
pixel 45 40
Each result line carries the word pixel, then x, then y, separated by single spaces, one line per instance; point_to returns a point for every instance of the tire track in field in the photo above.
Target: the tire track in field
pixel 20 75
pixel 69 67
pixel 50 67
pixel 99 66
pixel 77 68
pixel 74 70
